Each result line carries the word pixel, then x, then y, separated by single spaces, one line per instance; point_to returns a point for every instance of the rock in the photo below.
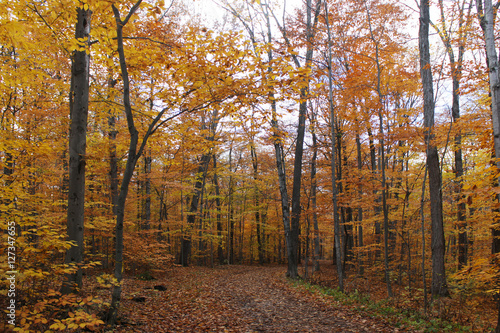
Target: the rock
pixel 139 299
pixel 160 288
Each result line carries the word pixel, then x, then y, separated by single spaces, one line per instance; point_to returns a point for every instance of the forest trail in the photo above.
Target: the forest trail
pixel 234 299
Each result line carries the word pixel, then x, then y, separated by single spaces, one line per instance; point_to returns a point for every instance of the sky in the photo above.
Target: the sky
pixel 210 11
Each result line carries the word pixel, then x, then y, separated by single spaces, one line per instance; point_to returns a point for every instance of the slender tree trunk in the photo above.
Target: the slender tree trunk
pixel 360 209
pixel 198 194
pixel 456 74
pixel 280 165
pixel 336 219
pixel 347 211
pixel 258 221
pixel 220 253
pixel 113 160
pixel 439 286
pixel 133 155
pixel 79 103
pixel 299 146
pixel 422 232
pixel 146 209
pixel 385 208
pixel 292 229
pixel 230 221
pixel 374 169
pixel 314 186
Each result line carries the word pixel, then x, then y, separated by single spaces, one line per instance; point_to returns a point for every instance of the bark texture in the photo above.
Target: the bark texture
pixel 79 104
pixel 439 286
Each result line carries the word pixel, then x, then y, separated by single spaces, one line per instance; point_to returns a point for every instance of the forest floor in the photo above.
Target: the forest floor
pixel 235 299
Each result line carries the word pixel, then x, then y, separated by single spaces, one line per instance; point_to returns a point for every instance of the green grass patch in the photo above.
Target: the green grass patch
pixel 399 317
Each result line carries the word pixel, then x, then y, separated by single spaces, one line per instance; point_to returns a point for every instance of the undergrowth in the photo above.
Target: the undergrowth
pixel 404 318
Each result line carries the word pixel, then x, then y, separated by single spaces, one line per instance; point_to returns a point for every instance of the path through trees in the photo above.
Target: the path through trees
pixel 234 299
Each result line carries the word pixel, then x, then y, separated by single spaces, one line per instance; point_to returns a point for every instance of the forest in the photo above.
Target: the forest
pixel 347 145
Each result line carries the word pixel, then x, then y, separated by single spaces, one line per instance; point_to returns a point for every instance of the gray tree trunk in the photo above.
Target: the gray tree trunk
pixel 314 187
pixel 220 253
pixel 486 20
pixel 113 160
pixel 132 158
pixel 78 103
pixel 299 146
pixel 198 193
pixel 146 209
pixel 258 219
pixel 336 218
pixel 385 208
pixel 360 209
pixel 439 286
pixel 456 74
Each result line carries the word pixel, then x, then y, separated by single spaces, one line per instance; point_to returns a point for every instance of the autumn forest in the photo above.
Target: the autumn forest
pixel 348 145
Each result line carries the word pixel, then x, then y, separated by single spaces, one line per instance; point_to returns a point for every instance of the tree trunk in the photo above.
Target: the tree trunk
pixel 336 221
pixel 299 143
pixel 133 155
pixel 230 221
pixel 487 24
pixel 439 286
pixel 113 160
pixel 456 74
pixel 314 186
pixel 373 164
pixel 146 209
pixel 360 209
pixel 197 195
pixel 258 220
pixel 280 165
pixel 79 102
pixel 220 253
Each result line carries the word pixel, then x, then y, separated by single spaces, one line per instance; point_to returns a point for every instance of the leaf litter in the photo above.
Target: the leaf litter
pixel 244 299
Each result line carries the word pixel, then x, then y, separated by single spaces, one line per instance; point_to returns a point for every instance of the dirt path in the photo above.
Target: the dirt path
pixel 234 299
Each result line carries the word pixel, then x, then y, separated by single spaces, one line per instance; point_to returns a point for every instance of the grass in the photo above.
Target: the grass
pixel 406 318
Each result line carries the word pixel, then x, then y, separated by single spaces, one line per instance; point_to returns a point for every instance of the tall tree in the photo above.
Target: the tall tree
pixel 336 218
pixel 381 103
pixel 312 15
pixel 299 143
pixel 198 187
pixel 439 286
pixel 314 190
pixel 79 106
pixel 487 20
pixel 464 21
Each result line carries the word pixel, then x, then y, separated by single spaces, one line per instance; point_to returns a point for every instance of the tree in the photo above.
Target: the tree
pixel 197 196
pixel 456 66
pixel 487 20
pixel 338 253
pixel 439 286
pixel 79 104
